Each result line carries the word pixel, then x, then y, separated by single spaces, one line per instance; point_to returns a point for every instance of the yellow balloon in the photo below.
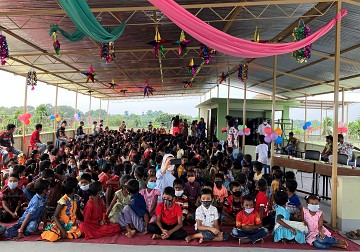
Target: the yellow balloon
pixel 278 131
pixel 58 119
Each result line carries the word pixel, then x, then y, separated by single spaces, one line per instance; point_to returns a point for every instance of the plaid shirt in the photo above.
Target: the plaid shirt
pixel 346 148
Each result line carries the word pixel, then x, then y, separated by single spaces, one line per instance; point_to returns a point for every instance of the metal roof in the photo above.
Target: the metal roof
pixel 26 23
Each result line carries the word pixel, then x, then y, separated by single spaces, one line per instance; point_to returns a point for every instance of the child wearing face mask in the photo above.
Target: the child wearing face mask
pixel 35 213
pixel 72 167
pixel 169 225
pixel 318 235
pixel 232 203
pixel 220 191
pixel 12 197
pixel 151 195
pixel 248 223
pixel 181 199
pixel 96 223
pixel 207 221
pixel 83 192
pixel 192 190
pixel 120 200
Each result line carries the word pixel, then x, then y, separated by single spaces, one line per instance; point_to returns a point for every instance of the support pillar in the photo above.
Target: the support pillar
pixel 244 118
pixel 89 113
pixel 321 118
pixel 343 105
pixel 228 98
pixel 347 122
pixel 218 91
pixel 55 109
pixel 107 114
pixel 23 143
pixel 334 180
pixel 273 107
pixel 76 103
pixel 305 122
pixel 100 112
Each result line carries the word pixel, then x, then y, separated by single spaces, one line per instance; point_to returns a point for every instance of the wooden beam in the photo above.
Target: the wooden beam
pixel 273 108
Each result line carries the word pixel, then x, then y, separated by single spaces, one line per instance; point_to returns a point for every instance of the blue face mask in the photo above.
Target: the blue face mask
pixel 151 185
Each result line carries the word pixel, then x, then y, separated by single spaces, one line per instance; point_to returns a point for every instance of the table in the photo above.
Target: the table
pixel 299 165
pixel 325 170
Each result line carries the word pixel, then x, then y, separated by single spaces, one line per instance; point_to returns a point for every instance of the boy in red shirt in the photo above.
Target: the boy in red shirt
pixel 168 225
pixel 104 176
pixel 262 205
pixel 248 224
pixel 232 204
pixel 35 138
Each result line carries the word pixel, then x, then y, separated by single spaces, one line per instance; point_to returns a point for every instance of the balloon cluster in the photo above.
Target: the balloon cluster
pixel 243 72
pixel 246 131
pixel 77 117
pixel 32 78
pixel 191 68
pixel 342 128
pixel 307 126
pixel 25 118
pixel 300 32
pixel 273 135
pixel 206 53
pixel 56 117
pixel 4 50
pixel 90 74
pixel 182 43
pixel 107 51
pixel 56 43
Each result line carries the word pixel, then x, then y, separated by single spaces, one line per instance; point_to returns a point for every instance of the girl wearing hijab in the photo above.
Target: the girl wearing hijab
pixel 164 176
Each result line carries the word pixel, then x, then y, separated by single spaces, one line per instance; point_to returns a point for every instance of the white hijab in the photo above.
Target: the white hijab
pixel 166 156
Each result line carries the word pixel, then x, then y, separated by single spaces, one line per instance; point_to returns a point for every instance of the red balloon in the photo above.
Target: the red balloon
pixel 21 117
pixel 27 121
pixel 267 130
pixel 309 128
pixel 57 115
pixel 27 116
pixel 247 130
pixel 345 130
pixel 223 129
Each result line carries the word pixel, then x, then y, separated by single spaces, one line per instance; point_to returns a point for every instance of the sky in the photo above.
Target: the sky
pixel 44 94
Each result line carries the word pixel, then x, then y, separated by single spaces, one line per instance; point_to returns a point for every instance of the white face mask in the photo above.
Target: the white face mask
pixel 85 187
pixel 12 185
pixel 313 208
pixel 179 193
pixel 11 170
pixel 81 173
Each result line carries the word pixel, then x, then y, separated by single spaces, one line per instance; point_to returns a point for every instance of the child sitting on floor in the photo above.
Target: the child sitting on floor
pixel 258 174
pixel 318 235
pixel 120 200
pixel 293 205
pixel 262 205
pixel 35 213
pixel 232 204
pixel 220 192
pixel 248 223
pixel 96 223
pixel 84 194
pixel 151 196
pixel 181 199
pixel 113 184
pixel 12 198
pixel 207 221
pixel 169 225
pixel 192 190
pixel 64 225
pixel 134 218
pixel 286 230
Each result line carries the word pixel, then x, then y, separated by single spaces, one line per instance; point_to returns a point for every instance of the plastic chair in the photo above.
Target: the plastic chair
pixel 343 159
pixel 310 155
pixel 32 147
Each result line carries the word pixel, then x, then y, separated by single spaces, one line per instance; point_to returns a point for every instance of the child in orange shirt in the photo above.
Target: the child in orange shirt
pixel 248 224
pixel 220 191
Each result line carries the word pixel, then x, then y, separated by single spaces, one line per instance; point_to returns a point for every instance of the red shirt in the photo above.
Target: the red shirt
pixel 35 137
pixel 262 201
pixel 168 216
pixel 249 220
pixel 115 187
pixel 103 178
pixel 232 207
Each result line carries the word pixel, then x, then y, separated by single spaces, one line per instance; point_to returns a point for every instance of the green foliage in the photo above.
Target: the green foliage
pixel 354 129
pixel 327 126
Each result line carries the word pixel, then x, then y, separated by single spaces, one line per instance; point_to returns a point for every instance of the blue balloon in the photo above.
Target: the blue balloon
pixel 308 124
pixel 305 127
pixel 79 115
pixel 278 140
pixel 52 117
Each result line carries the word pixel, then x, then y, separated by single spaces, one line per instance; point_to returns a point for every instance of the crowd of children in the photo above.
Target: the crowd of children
pixel 145 182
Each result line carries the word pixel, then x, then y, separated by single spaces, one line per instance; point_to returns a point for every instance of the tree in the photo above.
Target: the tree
pixel 327 126
pixel 354 128
pixel 41 113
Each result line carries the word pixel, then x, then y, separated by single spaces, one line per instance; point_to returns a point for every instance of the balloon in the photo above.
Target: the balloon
pixel 79 115
pixel 57 115
pixel 309 128
pixel 240 133
pixel 341 125
pixel 58 119
pixel 247 133
pixel 278 140
pixel 76 116
pixel 21 117
pixel 278 131
pixel 345 130
pixel 27 116
pixel 305 127
pixel 26 121
pixel 308 124
pixel 223 129
pixel 247 130
pixel 267 130
pixel 52 117
pixel 273 136
pixel 267 139
pixel 77 119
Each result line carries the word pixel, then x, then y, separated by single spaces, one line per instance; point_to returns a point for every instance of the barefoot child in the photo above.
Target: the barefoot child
pixel 318 235
pixel 151 195
pixel 248 223
pixel 120 200
pixel 207 224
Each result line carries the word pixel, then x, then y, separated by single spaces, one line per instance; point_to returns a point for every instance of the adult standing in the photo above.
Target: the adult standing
pixel 232 137
pixel 261 129
pixel 193 129
pixel 176 126
pixel 185 128
pixel 346 147
pixel 35 138
pixel 7 143
pixel 201 128
pixel 150 127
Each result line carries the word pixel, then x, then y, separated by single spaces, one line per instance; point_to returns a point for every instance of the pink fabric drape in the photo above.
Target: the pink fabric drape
pixel 228 44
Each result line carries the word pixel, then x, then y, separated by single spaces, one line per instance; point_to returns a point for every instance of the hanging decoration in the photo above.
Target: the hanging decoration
pixel 57 117
pixel 77 117
pixel 157 44
pixel 257 37
pixel 307 126
pixel 223 77
pixel 182 43
pixel 112 84
pixel 301 32
pixel 4 50
pixel 244 131
pixel 191 67
pixel 148 90
pixel 342 128
pixel 32 79
pixel 56 42
pixel 107 51
pixel 206 53
pixel 90 74
pixel 25 118
pixel 188 83
pixel 271 135
pixel 123 91
pixel 243 72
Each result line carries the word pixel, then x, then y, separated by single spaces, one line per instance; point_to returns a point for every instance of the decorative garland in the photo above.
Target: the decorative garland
pixel 206 53
pixel 56 43
pixel 32 79
pixel 107 51
pixel 301 32
pixel 90 75
pixel 4 50
pixel 182 43
pixel 191 67
pixel 112 84
pixel 243 72
pixel 158 45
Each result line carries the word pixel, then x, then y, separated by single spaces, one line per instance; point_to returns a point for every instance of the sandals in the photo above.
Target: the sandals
pixel 352 235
